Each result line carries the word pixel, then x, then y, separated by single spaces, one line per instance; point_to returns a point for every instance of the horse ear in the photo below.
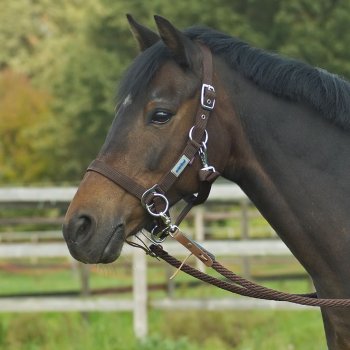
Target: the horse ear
pixel 144 36
pixel 180 46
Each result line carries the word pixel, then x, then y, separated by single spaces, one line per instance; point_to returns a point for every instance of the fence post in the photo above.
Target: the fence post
pixel 85 285
pixel 199 232
pixel 245 235
pixel 170 284
pixel 140 294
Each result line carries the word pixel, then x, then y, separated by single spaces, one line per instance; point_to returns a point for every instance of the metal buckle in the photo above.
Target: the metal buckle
pixel 207 103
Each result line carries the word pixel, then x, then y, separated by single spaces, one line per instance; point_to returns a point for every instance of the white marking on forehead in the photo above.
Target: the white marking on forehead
pixel 127 101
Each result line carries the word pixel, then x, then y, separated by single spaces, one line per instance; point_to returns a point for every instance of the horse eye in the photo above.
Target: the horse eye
pixel 161 117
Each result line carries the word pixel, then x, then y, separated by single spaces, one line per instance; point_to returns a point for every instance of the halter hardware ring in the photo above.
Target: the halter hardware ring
pixel 204 143
pixel 150 206
pixel 159 237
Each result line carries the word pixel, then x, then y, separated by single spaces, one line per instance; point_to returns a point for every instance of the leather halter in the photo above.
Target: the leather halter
pixel 154 199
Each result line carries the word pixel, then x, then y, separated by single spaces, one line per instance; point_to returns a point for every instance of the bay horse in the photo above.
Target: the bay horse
pixel 279 129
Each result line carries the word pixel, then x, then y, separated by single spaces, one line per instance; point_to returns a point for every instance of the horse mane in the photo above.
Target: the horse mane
pixel 292 79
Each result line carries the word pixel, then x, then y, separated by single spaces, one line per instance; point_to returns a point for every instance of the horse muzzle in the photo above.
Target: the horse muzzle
pixel 91 244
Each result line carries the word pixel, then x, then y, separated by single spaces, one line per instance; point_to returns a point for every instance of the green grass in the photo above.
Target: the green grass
pixel 253 330
pixel 260 330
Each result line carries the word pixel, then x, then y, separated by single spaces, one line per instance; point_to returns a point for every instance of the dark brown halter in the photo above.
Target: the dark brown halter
pixel 154 199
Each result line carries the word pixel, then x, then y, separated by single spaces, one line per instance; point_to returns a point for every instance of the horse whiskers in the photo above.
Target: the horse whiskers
pixel 149 252
pixel 144 246
pixel 106 270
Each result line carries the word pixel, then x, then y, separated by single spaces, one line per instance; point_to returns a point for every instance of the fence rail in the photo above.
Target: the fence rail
pixel 220 192
pixel 266 247
pixel 139 304
pixel 65 304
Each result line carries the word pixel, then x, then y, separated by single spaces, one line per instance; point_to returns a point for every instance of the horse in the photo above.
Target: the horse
pixel 279 129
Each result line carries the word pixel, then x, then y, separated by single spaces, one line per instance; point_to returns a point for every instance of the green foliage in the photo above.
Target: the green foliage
pixel 24 115
pixel 75 52
pixel 316 32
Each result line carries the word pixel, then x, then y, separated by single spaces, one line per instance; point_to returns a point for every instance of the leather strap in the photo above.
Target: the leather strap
pixel 194 248
pixel 118 178
pixel 194 144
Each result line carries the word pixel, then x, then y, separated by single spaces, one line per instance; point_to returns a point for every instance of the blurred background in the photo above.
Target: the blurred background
pixel 60 63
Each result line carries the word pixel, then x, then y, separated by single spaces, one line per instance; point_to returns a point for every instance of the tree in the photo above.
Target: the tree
pixel 24 114
pixel 76 51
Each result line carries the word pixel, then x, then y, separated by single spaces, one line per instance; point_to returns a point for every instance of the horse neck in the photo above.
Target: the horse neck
pixel 294 167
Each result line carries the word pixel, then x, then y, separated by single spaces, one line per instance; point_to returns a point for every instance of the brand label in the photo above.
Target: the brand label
pixel 180 166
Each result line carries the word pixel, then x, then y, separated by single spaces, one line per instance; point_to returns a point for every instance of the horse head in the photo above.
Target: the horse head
pixel 158 101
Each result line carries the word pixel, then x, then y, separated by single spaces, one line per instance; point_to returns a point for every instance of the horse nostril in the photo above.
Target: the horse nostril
pixel 83 224
pixel 79 228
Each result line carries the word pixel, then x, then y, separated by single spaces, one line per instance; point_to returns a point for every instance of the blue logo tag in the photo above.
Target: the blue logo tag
pixel 180 166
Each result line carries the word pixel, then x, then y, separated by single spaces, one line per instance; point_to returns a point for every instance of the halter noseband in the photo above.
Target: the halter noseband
pixel 154 199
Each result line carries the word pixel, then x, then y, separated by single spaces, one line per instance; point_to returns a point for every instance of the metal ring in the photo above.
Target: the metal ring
pixel 155 238
pixel 162 213
pixel 146 193
pixel 191 138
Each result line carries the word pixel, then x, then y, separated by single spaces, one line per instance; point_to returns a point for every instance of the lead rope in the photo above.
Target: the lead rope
pixel 243 286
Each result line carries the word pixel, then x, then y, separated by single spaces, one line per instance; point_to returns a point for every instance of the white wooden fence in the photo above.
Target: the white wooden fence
pixel 139 304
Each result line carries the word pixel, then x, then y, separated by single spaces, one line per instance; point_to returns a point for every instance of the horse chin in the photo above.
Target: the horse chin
pixel 113 248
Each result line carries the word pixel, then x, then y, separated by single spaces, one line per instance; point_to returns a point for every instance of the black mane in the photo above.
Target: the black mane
pixel 327 93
